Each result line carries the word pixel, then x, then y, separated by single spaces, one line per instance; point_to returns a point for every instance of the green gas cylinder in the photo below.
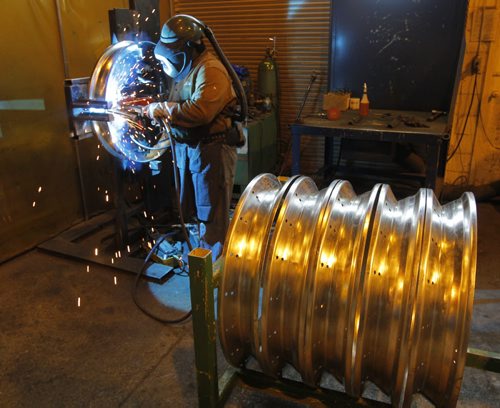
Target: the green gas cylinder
pixel 267 77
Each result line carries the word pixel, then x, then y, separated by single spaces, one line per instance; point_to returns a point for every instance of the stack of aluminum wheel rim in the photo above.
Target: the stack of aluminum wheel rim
pixel 365 287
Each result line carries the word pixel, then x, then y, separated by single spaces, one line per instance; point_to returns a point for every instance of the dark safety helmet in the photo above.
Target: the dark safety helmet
pixel 178 39
pixel 181 29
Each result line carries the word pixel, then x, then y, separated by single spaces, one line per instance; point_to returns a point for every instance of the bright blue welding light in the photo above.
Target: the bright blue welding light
pixel 130 75
pixel 294 7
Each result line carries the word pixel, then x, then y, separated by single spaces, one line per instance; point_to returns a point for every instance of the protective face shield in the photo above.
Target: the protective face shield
pixel 176 63
pixel 175 48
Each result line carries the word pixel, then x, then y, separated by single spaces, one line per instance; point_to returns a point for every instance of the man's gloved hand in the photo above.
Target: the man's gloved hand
pixel 157 110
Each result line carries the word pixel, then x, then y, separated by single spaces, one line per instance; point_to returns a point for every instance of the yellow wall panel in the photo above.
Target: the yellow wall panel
pixel 85 31
pixel 34 148
pixel 477 158
pixel 39 189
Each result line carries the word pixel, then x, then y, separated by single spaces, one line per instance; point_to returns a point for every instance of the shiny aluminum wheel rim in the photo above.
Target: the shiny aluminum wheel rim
pixel 119 136
pixel 367 288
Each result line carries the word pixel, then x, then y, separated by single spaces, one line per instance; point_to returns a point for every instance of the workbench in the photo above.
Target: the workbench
pixel 384 126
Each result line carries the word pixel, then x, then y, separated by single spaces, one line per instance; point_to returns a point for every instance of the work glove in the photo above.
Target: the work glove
pixel 157 110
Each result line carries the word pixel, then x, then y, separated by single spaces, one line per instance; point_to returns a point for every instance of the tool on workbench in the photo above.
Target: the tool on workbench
pixel 355 120
pixel 407 120
pixel 435 114
pixel 311 81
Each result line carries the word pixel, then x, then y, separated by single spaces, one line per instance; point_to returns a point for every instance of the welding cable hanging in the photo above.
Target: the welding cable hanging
pixel 168 129
pixel 160 319
pixel 238 87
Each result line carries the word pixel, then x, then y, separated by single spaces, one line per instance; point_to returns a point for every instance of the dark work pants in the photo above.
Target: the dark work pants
pixel 206 183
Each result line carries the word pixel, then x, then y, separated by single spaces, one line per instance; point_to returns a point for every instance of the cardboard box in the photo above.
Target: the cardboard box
pixel 339 100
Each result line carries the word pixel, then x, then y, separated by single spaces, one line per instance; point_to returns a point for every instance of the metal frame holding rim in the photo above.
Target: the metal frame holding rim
pixel 213 391
pixel 418 234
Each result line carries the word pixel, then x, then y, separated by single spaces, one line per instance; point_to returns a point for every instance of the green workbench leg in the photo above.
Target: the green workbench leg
pixel 202 303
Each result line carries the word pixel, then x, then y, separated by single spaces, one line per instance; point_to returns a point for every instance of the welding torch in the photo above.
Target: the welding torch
pixel 129 108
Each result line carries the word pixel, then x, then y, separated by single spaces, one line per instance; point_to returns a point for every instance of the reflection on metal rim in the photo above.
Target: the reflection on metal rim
pixel 128 72
pixel 366 287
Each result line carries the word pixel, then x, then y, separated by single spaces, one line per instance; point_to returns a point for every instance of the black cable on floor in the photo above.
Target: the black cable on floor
pixel 135 287
pixel 157 244
pixel 168 129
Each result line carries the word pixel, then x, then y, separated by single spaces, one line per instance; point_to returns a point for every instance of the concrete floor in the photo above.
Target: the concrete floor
pixel 103 352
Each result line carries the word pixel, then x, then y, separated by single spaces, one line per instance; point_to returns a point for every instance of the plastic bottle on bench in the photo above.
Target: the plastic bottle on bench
pixel 364 104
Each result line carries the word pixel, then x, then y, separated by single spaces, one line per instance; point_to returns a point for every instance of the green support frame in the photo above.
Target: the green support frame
pixel 485 360
pixel 202 304
pixel 214 391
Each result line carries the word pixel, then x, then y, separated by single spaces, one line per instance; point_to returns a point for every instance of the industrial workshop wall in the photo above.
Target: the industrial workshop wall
pixel 39 189
pixel 475 141
pixel 245 28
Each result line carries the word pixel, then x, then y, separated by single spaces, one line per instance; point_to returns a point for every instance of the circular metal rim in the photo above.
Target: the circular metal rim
pixel 233 265
pixel 97 91
pixel 424 227
pixel 367 203
pixel 276 262
pixel 311 372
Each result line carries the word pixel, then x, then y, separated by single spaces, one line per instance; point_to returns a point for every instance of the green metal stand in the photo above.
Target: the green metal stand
pixel 485 360
pixel 214 391
pixel 202 303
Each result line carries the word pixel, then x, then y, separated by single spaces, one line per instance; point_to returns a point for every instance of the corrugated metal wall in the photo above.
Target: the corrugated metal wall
pixel 301 27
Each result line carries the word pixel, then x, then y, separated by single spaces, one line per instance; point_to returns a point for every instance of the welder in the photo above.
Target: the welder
pixel 200 109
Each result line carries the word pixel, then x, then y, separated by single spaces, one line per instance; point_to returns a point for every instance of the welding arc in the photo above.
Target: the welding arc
pixel 131 119
pixel 365 288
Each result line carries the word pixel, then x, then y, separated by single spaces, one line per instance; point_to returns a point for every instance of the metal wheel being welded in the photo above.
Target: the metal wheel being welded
pixel 365 287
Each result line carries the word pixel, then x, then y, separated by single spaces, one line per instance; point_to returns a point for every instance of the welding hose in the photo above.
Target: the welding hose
pixel 168 129
pixel 184 317
pixel 136 284
pixel 238 87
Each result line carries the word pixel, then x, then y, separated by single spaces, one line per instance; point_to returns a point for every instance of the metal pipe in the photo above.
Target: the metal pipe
pixel 83 191
pixel 61 38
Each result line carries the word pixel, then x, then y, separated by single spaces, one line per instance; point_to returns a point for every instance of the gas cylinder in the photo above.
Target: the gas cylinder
pixel 267 77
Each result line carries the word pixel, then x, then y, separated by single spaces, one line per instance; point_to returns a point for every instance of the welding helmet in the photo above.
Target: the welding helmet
pixel 179 38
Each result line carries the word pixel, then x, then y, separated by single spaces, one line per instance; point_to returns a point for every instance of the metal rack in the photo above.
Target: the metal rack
pixel 213 390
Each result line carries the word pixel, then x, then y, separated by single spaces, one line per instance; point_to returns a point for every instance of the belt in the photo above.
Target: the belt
pixel 215 137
